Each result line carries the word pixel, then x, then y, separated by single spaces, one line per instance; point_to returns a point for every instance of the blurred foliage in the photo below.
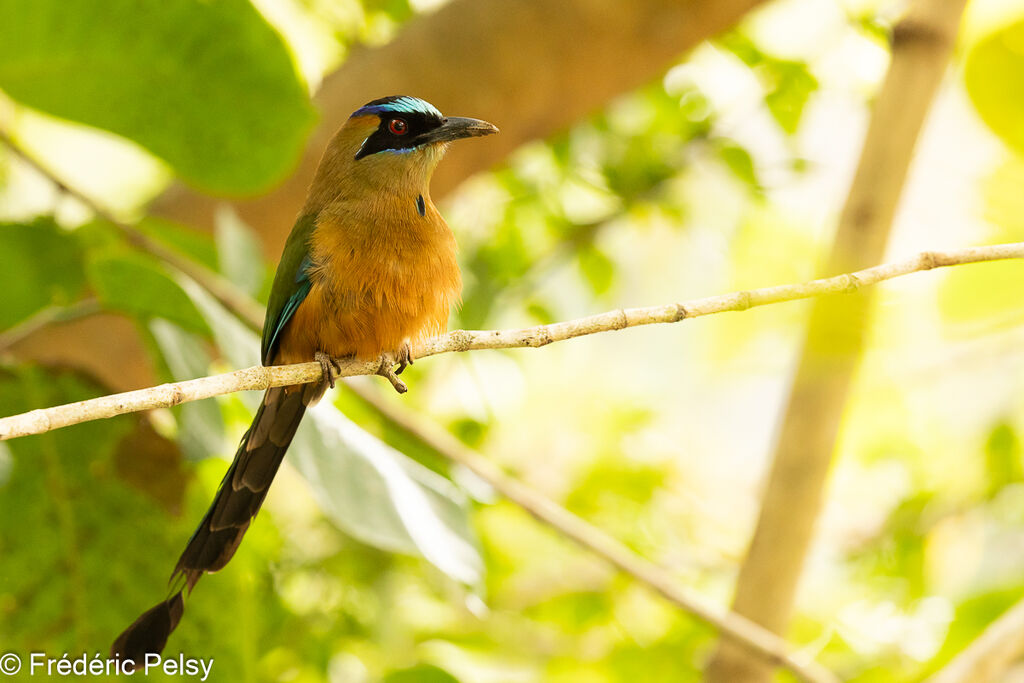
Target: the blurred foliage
pixel 376 559
pixel 991 64
pixel 39 267
pixel 209 87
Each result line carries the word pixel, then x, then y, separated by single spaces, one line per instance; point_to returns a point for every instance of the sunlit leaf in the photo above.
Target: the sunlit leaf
pixel 201 428
pixel 992 66
pixel 739 162
pixel 1003 457
pixel 791 87
pixel 974 293
pixel 239 253
pixel 598 269
pixel 381 497
pixel 424 673
pixel 207 86
pixel 1004 200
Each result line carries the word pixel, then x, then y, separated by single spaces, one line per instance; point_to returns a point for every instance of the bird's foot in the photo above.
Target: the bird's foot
pixel 331 367
pixel 387 370
pixel 403 357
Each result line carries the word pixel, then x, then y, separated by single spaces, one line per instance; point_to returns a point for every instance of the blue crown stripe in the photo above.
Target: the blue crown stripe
pixel 401 105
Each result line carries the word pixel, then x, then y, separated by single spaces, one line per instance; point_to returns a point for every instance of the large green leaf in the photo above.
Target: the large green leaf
pixel 138 285
pixel 993 76
pixel 207 86
pixel 39 266
pixel 239 253
pixel 201 428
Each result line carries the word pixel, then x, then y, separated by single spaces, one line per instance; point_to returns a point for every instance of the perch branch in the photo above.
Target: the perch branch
pixel 259 378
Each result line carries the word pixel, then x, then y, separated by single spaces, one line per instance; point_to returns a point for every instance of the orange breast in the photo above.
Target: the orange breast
pixel 388 277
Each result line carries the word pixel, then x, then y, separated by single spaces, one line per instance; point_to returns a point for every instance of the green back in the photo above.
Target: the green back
pixel 291 285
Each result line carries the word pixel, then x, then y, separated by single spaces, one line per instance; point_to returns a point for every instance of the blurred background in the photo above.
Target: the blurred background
pixel 651 152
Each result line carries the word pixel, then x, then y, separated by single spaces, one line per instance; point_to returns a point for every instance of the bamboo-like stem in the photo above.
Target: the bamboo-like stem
pixel 990 654
pixel 766 587
pixel 259 378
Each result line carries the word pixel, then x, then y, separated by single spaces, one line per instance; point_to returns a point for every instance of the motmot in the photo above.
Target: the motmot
pixel 368 270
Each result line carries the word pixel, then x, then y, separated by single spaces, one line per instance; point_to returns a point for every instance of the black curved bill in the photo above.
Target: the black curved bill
pixel 458 127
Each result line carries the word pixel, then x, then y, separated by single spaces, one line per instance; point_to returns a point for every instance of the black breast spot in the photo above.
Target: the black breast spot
pixel 421 206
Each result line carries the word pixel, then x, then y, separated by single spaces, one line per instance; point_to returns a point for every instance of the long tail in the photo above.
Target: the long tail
pixel 237 501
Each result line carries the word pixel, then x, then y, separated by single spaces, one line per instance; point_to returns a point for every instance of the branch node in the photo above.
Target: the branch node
pixel 622 320
pixel 928 260
pixel 853 283
pixel 461 340
pixel 542 338
pixel 681 313
pixel 744 300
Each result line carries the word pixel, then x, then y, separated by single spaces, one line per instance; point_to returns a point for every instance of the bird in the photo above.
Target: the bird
pixel 368 269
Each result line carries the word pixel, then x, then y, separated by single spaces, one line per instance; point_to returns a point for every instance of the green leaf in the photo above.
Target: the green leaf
pixel 137 285
pixel 791 86
pixel 5 464
pixel 424 673
pixel 598 269
pixel 39 266
pixel 239 254
pixel 1002 457
pixel 66 516
pixel 202 427
pixel 982 292
pixel 992 73
pixel 207 86
pixel 739 162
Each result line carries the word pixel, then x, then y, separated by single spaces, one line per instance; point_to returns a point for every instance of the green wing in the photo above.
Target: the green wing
pixel 291 285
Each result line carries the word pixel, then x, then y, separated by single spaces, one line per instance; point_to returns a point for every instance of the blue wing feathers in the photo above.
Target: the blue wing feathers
pixel 298 296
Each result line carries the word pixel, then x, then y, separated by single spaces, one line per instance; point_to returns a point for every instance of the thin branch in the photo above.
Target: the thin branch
pixel 541 335
pixel 167 395
pixel 990 654
pixel 223 290
pixel 47 316
pixel 739 629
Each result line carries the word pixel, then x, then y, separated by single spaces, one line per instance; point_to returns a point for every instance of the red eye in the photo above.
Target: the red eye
pixel 398 126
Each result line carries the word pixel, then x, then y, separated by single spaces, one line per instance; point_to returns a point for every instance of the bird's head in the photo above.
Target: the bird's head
pixel 409 125
pixel 394 142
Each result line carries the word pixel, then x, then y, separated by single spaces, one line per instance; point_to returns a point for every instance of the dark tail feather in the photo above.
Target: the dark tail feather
pixel 149 632
pixel 238 499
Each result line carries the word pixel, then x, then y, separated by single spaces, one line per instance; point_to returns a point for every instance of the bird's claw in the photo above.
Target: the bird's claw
pixel 403 357
pixel 386 369
pixel 331 367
